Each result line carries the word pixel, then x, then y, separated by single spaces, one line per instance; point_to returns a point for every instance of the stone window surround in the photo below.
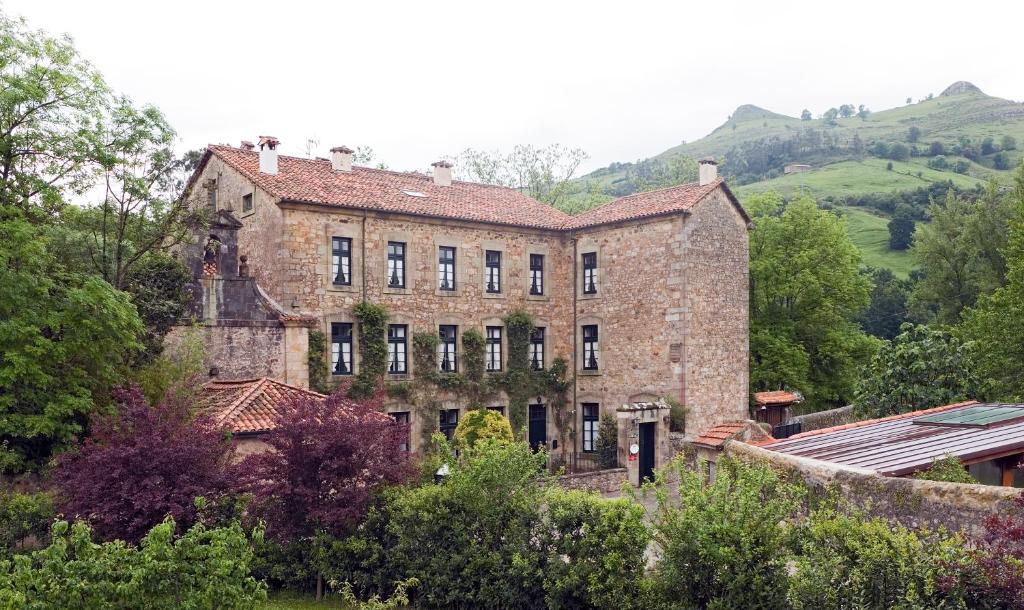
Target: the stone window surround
pixel 494 246
pixel 410 262
pixel 400 318
pixel 459 322
pixel 601 339
pixel 494 321
pixel 461 259
pixel 546 325
pixel 241 205
pixel 588 397
pixel 353 231
pixel 586 245
pixel 347 318
pixel 546 252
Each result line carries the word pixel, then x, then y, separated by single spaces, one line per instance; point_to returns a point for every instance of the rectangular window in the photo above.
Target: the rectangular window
pixel 446 268
pixel 590 273
pixel 398 349
pixel 341 261
pixel 590 347
pixel 536 274
pixel 591 415
pixel 247 203
pixel 211 193
pixel 448 356
pixel 500 410
pixel 492 271
pixel 537 349
pixel 396 264
pixel 341 348
pixel 448 420
pixel 402 419
pixel 493 348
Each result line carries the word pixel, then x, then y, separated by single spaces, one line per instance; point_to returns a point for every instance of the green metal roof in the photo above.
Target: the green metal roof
pixel 980 416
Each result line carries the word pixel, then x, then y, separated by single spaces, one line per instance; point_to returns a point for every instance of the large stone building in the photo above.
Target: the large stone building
pixel 645 296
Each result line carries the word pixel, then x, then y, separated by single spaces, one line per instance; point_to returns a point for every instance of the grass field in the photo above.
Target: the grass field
pixel 870 233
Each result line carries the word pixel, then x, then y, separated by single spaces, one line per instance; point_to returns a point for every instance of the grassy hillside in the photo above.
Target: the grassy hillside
pixel 870 233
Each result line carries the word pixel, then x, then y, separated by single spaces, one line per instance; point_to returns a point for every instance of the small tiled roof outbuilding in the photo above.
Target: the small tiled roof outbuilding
pixel 249 406
pixel 776 398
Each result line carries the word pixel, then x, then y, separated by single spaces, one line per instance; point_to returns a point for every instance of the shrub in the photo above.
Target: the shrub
pixel 677 414
pixel 938 162
pixel 137 468
pixel 725 544
pixel 608 442
pixel 949 469
pixel 853 562
pixel 204 568
pixel 1000 560
pixel 481 424
pixel 24 518
pixel 1001 161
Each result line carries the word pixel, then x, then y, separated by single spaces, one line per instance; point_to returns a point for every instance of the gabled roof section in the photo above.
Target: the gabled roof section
pixel 776 398
pixel 315 181
pixel 249 406
pixel 674 199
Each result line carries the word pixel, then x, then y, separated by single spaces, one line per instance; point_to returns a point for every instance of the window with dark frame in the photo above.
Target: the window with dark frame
pixel 396 264
pixel 341 261
pixel 500 410
pixel 590 273
pixel 211 193
pixel 591 416
pixel 341 348
pixel 446 348
pixel 398 349
pixel 536 274
pixel 492 264
pixel 448 420
pixel 446 268
pixel 590 347
pixel 537 349
pixel 493 347
pixel 247 203
pixel 402 419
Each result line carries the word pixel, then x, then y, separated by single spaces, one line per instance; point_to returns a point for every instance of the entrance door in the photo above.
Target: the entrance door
pixel 538 426
pixel 647 451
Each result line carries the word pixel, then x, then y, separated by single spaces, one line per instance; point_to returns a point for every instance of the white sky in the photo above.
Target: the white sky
pixel 622 80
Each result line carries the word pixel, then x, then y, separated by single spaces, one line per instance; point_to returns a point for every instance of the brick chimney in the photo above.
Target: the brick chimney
pixel 442 173
pixel 708 170
pixel 341 158
pixel 268 154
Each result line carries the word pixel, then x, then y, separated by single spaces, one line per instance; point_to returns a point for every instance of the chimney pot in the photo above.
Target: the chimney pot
pixel 341 158
pixel 708 171
pixel 268 155
pixel 247 145
pixel 442 173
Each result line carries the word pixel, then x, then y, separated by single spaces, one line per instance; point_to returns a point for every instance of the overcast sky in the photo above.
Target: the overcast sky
pixel 622 80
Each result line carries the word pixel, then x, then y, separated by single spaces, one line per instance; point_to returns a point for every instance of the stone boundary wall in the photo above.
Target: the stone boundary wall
pixel 825 419
pixel 600 481
pixel 911 502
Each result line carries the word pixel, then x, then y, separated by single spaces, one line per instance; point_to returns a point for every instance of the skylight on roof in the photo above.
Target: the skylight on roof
pixel 981 416
pixel 414 193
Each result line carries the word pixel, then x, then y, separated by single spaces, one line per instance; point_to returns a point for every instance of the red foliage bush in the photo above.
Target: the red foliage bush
pixel 1001 558
pixel 326 460
pixel 141 464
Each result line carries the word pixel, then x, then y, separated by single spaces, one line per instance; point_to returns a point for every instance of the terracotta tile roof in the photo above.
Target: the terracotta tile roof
pixel 314 181
pixel 249 405
pixel 716 437
pixel 778 397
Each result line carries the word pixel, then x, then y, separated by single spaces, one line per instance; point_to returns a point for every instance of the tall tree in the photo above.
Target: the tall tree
pixel 541 172
pixel 805 115
pixel 888 308
pixel 901 229
pixel 51 104
pixel 806 295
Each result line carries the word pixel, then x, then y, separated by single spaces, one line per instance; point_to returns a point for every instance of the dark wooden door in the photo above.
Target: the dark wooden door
pixel 538 427
pixel 647 442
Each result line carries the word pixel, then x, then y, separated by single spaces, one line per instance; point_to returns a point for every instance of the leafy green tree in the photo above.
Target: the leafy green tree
pixel 1001 161
pixel 64 340
pixel 480 425
pixel 830 116
pixel 949 469
pixel 607 442
pixel 158 287
pixel 988 146
pixel 901 229
pixel 922 367
pixel 1009 143
pixel 805 115
pixel 888 308
pixel 936 148
pixel 52 102
pixel 939 162
pixel 863 112
pixel 898 151
pixel 541 172
pixel 913 134
pixel 846 110
pixel 806 294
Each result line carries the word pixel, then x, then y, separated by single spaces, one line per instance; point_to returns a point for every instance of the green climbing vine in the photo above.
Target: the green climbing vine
pixel 373 348
pixel 517 380
pixel 319 374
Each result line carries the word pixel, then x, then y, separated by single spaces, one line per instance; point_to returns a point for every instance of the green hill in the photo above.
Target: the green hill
pixel 870 232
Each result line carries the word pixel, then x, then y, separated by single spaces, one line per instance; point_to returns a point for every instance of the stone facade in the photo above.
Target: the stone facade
pixel 670 306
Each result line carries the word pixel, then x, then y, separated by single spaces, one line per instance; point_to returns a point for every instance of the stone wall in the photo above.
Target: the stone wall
pixel 912 502
pixel 825 419
pixel 600 481
pixel 243 350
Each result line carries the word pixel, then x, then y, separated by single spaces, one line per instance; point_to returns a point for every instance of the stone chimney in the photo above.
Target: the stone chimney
pixel 247 145
pixel 268 155
pixel 708 170
pixel 442 173
pixel 341 158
